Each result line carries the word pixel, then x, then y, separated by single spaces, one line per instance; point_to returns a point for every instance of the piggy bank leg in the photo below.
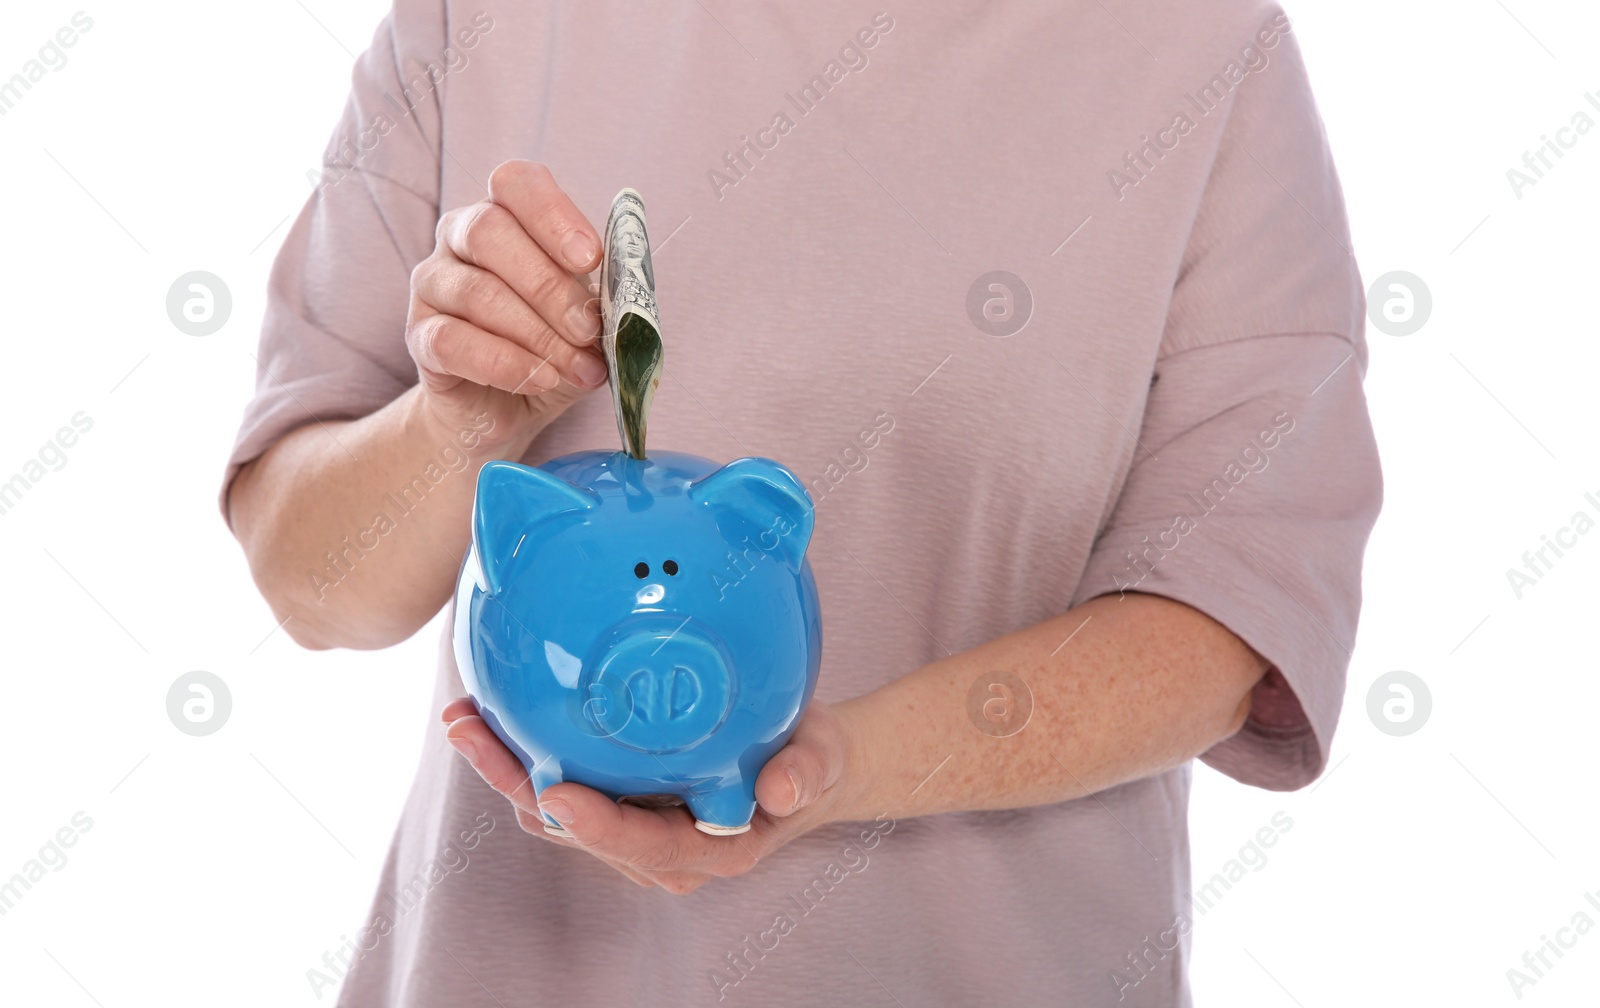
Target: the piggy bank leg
pixel 542 776
pixel 726 811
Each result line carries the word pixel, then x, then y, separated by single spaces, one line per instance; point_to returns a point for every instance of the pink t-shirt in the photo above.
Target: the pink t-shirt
pixel 830 187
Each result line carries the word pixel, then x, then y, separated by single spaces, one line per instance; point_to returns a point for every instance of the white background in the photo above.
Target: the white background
pixel 178 137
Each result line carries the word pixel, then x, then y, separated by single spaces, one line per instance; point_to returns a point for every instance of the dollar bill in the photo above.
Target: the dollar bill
pixel 631 333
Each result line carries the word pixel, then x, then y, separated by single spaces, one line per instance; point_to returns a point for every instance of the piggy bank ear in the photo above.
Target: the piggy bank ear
pixel 511 500
pixel 767 496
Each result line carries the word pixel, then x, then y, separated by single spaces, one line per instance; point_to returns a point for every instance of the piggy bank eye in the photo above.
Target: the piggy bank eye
pixel 671 567
pixel 641 570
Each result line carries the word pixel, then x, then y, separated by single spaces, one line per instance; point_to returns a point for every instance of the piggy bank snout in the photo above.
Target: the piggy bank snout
pixel 658 686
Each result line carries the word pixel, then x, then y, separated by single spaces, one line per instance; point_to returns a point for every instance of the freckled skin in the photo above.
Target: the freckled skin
pixel 1146 684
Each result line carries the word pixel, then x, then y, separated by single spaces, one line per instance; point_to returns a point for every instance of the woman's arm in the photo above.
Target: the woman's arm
pixel 355 529
pixel 307 513
pixel 1144 684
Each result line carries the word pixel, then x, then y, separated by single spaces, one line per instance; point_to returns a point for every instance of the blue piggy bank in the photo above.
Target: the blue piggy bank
pixel 641 626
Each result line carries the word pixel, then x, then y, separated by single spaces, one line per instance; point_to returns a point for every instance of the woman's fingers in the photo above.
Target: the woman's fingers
pixel 460 707
pixel 546 213
pixel 499 768
pixel 478 296
pixel 504 302
pixel 675 881
pixel 652 840
pixel 451 349
pixel 653 845
pixel 800 772
pixel 471 736
pixel 488 236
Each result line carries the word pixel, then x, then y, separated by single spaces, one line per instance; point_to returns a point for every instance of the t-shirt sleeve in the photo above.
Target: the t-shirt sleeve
pixel 1256 481
pixel 333 334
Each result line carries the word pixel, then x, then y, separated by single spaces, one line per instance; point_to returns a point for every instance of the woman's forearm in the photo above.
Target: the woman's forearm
pixel 355 530
pixel 1144 684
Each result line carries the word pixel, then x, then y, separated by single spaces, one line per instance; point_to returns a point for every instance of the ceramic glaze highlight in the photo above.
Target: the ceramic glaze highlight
pixel 642 626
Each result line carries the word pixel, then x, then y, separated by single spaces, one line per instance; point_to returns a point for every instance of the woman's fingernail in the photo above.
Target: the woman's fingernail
pixel 794 781
pixel 579 250
pixel 464 747
pixel 557 809
pixel 582 324
pixel 591 370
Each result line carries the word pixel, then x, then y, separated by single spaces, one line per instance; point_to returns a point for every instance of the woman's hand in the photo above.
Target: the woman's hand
pixel 501 319
pixel 806 784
